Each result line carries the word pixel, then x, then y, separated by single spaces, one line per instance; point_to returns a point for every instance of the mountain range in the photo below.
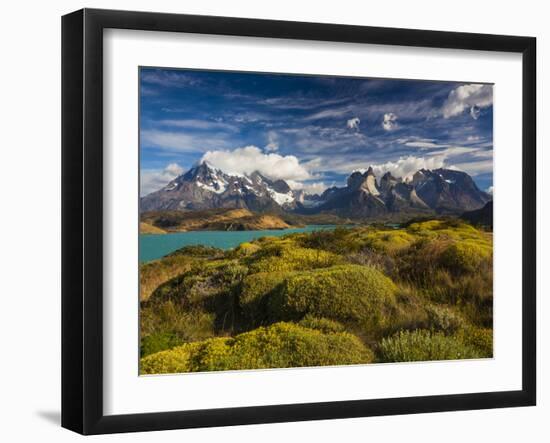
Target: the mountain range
pixel 364 196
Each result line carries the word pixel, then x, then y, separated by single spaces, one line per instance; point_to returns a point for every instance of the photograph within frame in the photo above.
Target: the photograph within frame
pixel 84 384
pixel 300 220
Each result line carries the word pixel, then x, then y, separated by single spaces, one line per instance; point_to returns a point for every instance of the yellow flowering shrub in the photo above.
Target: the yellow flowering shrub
pixel 346 293
pixel 282 345
pixel 420 292
pixel 388 241
pixel 322 324
pixel 466 256
pixel 281 257
pixel 245 249
pixel 254 292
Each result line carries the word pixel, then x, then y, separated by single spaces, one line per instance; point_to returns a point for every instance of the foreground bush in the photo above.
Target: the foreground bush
pixel 345 293
pixel 281 345
pixel 466 256
pixel 198 251
pixel 322 324
pixel 244 249
pixel 159 341
pixel 479 338
pixel 424 345
pixel 289 257
pixel 254 294
pixel 444 319
pixel 388 241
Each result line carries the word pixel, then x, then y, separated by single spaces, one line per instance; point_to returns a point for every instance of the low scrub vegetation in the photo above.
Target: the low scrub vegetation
pixel 282 345
pixel 424 345
pixel 354 295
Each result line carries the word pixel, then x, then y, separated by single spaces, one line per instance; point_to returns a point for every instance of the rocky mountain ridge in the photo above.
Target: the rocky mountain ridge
pixel 364 196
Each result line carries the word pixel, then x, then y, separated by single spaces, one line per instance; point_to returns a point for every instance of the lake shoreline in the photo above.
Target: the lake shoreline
pixel 155 246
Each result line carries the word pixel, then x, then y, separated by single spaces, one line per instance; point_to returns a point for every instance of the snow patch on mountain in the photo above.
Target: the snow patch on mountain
pixel 281 199
pixel 218 187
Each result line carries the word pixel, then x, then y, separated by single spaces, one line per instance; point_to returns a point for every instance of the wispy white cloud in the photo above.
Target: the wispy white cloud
pixel 389 122
pixel 471 96
pixel 353 123
pixel 319 139
pixel 169 78
pixel 483 153
pixel 330 113
pixel 424 145
pixel 490 190
pixel 413 109
pixel 449 151
pixel 309 187
pixel 272 141
pixel 180 142
pixel 475 167
pixel 154 179
pixel 297 102
pixel 458 150
pixel 198 124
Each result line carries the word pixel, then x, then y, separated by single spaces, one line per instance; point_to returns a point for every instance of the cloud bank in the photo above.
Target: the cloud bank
pixel 309 188
pixel 251 158
pixel 405 167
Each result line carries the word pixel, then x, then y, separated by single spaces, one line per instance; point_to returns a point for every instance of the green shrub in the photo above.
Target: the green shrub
pixel 451 229
pixel 198 251
pixel 466 256
pixel 444 319
pixel 158 342
pixel 281 345
pixel 231 273
pixel 321 324
pixel 189 290
pixel 424 345
pixel 255 290
pixel 329 283
pixel 346 293
pixel 202 282
pixel 245 249
pixel 341 241
pixel 281 257
pixel 388 241
pixel 479 338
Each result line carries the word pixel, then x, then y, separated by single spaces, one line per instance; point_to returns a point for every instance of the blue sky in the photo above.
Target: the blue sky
pixel 312 131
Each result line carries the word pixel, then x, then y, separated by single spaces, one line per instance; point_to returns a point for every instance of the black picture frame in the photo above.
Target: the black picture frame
pixel 82 218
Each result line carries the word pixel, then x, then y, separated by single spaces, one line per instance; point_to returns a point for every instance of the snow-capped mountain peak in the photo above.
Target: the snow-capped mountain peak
pixel 204 186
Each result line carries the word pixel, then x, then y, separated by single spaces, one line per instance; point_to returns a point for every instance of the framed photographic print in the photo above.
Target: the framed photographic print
pixel 269 221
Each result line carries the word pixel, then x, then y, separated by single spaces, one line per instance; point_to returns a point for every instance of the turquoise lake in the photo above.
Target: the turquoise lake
pixel 153 246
